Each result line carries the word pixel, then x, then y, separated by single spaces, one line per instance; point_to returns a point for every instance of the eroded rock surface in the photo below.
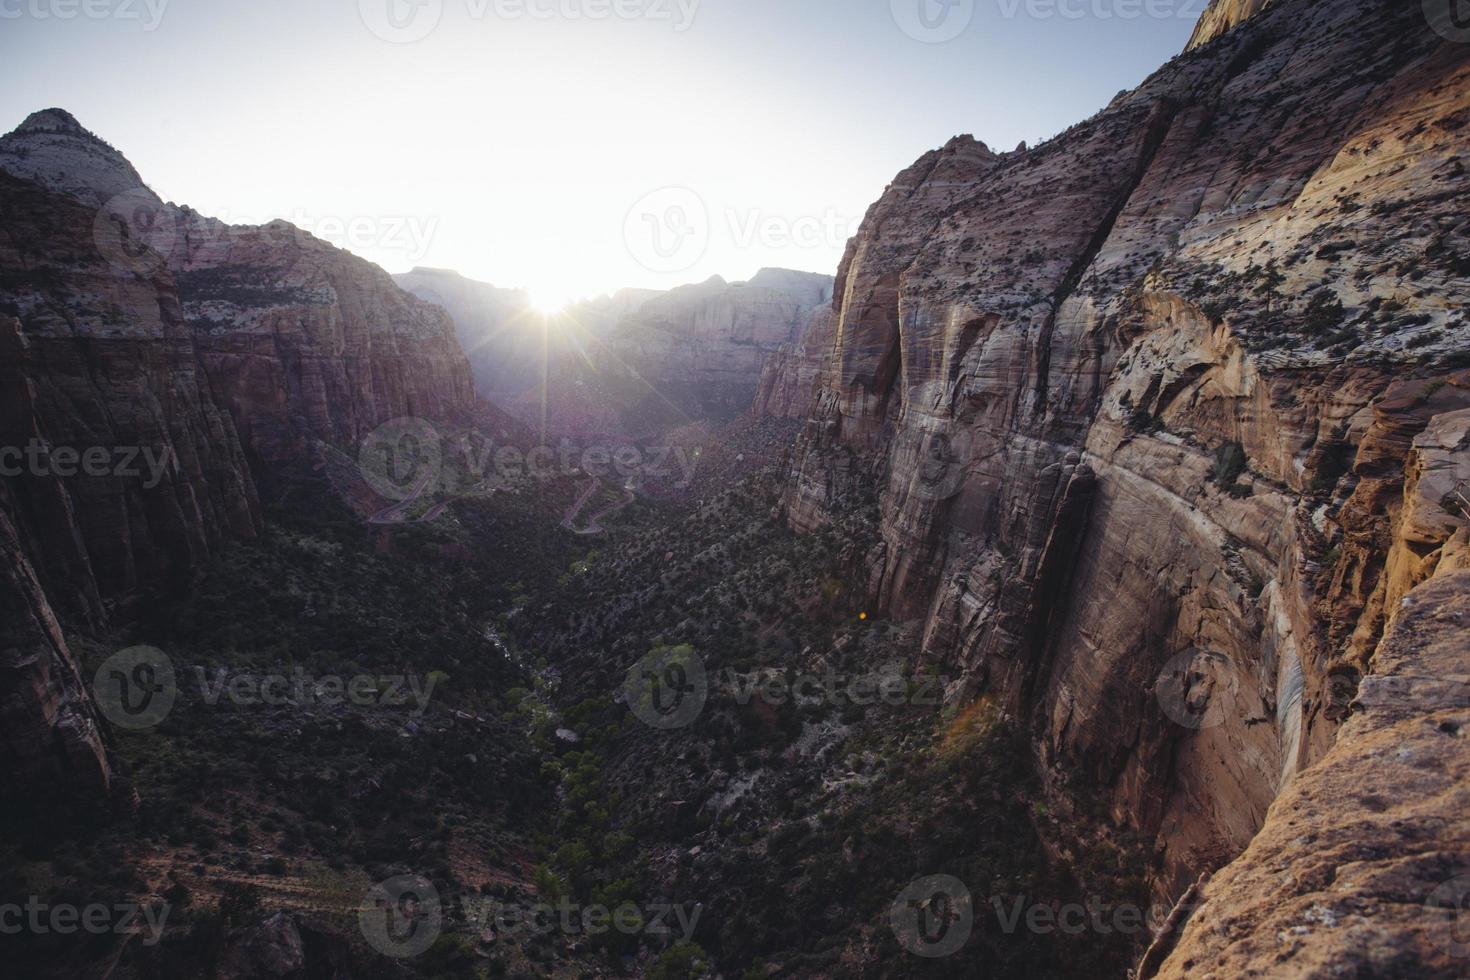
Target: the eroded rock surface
pixel 153 364
pixel 1140 402
pixel 1363 865
pixel 707 344
pixel 1221 16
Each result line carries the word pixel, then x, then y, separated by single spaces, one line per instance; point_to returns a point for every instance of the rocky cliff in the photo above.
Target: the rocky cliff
pixel 1142 402
pixel 301 340
pixel 708 343
pixel 149 357
pixel 307 342
pixel 121 471
pixel 632 363
pixel 1221 16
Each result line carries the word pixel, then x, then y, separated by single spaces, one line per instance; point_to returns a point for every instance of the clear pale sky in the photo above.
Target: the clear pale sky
pixel 521 149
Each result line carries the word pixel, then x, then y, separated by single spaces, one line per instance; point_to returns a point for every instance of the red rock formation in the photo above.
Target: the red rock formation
pixel 95 356
pixel 1363 865
pixel 302 340
pixel 305 342
pixel 1190 303
pixel 121 471
pixel 1221 16
pixel 53 746
pixel 145 354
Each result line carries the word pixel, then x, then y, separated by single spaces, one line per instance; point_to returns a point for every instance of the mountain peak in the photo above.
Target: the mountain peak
pixel 1222 16
pixel 53 148
pixel 53 121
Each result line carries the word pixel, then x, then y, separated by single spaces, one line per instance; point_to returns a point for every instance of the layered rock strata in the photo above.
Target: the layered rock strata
pixel 148 357
pixel 1140 401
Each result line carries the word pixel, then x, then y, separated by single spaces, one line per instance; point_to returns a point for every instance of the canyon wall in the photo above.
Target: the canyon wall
pixel 1141 401
pixel 1221 16
pixel 705 345
pixel 631 363
pixel 507 339
pixel 154 364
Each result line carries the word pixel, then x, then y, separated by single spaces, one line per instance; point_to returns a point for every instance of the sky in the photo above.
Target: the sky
pixel 571 147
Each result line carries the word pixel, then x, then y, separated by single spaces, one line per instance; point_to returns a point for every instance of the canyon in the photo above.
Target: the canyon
pixel 1146 403
pixel 1152 441
pixel 632 363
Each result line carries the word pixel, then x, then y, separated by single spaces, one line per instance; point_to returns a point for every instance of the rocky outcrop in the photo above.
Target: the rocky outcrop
pixel 149 356
pixel 1363 865
pixel 307 342
pixel 1221 16
pixel 791 372
pixel 51 147
pixel 301 340
pixel 54 749
pixel 1140 401
pixel 706 345
pixel 125 470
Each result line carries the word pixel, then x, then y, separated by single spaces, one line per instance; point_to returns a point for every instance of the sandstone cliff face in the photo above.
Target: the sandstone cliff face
pixel 51 147
pixel 53 745
pixel 307 342
pixel 97 363
pixel 1221 16
pixel 96 356
pixel 1140 401
pixel 791 372
pixel 709 342
pixel 148 357
pixel 1363 865
pixel 303 341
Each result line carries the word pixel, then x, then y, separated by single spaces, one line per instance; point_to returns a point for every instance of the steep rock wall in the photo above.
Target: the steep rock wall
pixel 149 357
pixel 1221 16
pixel 1129 396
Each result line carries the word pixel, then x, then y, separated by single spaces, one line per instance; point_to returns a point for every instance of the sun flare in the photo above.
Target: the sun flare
pixel 548 301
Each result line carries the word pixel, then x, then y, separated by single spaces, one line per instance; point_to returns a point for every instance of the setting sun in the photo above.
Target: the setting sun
pixel 549 300
pixel 448 464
